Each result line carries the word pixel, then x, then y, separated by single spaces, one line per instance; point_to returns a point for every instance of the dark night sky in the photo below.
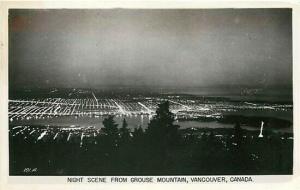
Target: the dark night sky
pixel 94 48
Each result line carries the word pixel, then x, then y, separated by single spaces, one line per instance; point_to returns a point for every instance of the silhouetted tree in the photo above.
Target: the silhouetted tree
pixel 238 135
pixel 138 138
pixel 124 132
pixel 110 126
pixel 111 130
pixel 124 124
pixel 161 135
pixel 138 132
pixel 161 128
pixel 241 158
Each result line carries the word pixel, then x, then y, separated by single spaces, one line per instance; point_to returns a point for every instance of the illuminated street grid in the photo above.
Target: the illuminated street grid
pixel 25 109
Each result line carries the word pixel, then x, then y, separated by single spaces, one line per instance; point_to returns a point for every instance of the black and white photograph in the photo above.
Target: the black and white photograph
pixel 150 92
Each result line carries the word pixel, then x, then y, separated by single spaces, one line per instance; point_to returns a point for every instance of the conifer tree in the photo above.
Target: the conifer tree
pixel 124 132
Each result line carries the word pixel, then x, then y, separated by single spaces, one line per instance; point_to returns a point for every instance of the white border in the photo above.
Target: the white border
pixel 40 182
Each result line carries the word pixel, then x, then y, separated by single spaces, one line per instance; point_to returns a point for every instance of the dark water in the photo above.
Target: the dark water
pixel 133 122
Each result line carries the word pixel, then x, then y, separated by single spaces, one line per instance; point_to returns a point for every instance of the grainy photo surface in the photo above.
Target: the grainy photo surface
pixel 150 92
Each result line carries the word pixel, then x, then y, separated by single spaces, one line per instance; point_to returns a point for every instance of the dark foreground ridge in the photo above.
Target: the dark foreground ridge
pixel 161 149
